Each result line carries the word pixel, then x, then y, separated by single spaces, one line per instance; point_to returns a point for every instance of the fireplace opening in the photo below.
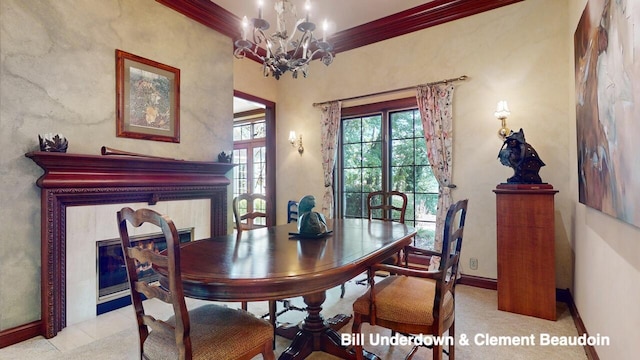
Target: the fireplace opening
pixel 113 286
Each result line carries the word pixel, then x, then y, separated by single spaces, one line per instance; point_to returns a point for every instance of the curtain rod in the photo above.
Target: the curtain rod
pixel 460 78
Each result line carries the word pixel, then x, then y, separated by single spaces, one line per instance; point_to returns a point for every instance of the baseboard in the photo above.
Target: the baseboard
pixel 20 333
pixel 478 281
pixel 563 295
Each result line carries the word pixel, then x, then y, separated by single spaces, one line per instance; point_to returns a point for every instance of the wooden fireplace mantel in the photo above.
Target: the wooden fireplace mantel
pixel 80 180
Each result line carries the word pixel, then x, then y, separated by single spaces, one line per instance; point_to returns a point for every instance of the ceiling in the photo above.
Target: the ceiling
pixel 242 105
pixel 341 14
pixel 356 23
pixel 353 23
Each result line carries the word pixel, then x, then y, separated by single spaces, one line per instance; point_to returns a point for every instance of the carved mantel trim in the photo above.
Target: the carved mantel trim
pixel 81 180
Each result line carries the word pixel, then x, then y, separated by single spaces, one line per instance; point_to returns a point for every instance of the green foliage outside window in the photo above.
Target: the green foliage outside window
pixel 362 169
pixel 367 161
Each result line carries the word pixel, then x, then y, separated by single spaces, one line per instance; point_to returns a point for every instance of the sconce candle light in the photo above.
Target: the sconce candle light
pixel 502 112
pixel 293 140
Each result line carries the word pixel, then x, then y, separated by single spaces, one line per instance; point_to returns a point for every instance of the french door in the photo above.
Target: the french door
pixel 382 147
pixel 254 154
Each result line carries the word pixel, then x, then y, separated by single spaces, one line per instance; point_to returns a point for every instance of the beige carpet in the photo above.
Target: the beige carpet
pixel 476 313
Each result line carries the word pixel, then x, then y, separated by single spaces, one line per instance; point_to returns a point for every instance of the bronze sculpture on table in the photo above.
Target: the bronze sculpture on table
pixel 310 223
pixel 522 157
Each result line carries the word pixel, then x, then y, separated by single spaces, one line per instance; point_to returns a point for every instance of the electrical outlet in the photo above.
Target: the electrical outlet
pixel 473 263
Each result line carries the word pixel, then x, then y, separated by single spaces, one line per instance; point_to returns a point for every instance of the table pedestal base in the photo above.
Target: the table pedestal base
pixel 316 334
pixel 289 331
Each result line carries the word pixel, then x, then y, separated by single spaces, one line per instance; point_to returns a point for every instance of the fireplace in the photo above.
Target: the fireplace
pixel 111 275
pixel 73 181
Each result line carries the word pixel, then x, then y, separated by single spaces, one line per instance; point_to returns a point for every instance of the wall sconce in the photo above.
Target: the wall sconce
pixel 293 140
pixel 502 112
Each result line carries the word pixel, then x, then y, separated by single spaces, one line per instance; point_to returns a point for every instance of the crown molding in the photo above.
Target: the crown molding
pixel 418 18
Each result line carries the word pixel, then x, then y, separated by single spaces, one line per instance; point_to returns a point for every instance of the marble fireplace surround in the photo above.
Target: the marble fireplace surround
pixel 84 180
pixel 88 225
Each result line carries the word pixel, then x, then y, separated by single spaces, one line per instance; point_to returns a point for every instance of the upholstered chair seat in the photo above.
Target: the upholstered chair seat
pixel 401 299
pixel 211 326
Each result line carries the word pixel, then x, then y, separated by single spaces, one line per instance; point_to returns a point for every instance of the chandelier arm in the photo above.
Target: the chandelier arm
pixel 295 30
pixel 257 54
pixel 242 46
pixel 306 38
pixel 284 45
pixel 241 52
pixel 321 51
pixel 259 36
pixel 316 51
pixel 238 54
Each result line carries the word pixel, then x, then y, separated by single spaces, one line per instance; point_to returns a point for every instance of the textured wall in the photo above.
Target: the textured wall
pixel 516 53
pixel 58 75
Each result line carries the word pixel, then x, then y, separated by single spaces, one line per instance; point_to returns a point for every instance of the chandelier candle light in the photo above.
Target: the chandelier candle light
pixel 283 51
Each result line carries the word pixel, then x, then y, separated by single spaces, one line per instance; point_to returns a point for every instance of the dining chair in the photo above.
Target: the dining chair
pixel 292 211
pixel 412 301
pixel 206 332
pixel 249 211
pixel 394 209
pixel 388 206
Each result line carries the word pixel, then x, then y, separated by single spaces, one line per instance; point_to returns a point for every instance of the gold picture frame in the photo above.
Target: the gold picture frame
pixel 147 99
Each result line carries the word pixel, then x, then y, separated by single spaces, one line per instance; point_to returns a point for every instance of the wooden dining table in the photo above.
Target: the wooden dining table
pixel 271 264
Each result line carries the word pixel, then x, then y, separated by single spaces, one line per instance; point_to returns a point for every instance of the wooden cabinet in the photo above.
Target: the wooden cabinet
pixel 526 254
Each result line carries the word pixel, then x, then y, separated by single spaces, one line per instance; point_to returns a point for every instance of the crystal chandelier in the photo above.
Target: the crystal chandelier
pixel 284 51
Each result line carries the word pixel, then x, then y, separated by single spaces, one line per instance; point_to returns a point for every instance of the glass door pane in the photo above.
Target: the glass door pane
pixel 362 151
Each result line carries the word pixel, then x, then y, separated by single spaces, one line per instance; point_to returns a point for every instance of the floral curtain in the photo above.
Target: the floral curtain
pixel 329 127
pixel 435 104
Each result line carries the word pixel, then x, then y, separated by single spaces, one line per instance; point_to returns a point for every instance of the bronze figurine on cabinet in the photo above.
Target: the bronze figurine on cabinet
pixel 522 157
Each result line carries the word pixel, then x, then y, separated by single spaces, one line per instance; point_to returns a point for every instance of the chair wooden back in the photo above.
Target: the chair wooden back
pixel 171 293
pixel 250 211
pixel 450 255
pixel 387 205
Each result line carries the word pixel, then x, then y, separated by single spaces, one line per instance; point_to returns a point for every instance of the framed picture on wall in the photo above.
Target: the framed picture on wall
pixel 147 99
pixel 608 108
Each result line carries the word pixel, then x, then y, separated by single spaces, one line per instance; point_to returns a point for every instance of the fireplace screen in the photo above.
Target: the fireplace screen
pixel 112 272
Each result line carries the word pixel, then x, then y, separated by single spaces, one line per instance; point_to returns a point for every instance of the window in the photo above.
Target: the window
pixel 385 149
